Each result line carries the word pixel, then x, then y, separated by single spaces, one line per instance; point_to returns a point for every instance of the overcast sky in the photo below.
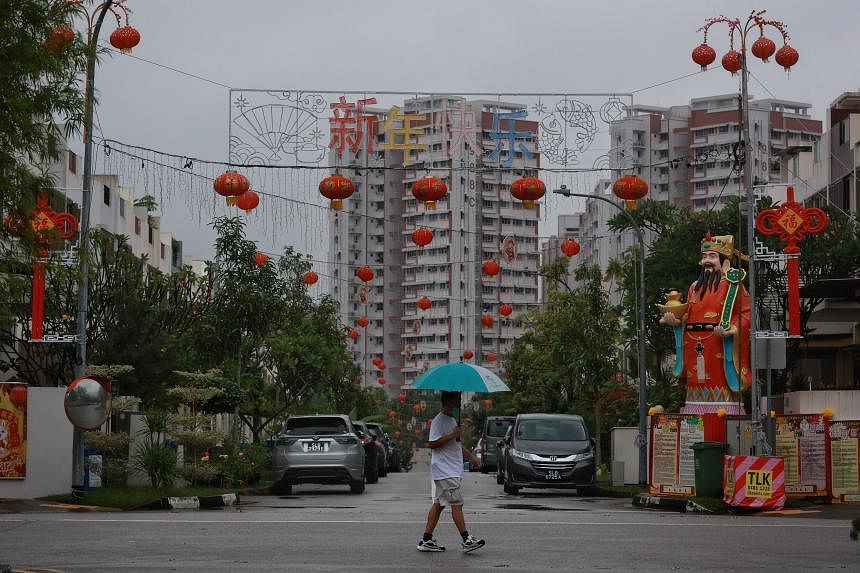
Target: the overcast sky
pixel 494 46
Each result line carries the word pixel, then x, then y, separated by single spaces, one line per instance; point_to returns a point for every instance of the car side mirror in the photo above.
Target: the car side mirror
pixel 593 443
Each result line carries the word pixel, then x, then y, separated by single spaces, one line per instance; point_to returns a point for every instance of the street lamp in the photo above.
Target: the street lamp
pixel 734 62
pixel 641 441
pixel 124 38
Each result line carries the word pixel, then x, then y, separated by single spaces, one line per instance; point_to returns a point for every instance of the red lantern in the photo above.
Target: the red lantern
pixel 488 403
pixel 570 247
pixel 124 39
pixel 248 201
pixel 704 55
pixel 353 333
pixel 310 278
pixel 424 303
pixel 365 273
pixel 528 190
pixel 491 268
pixel 763 48
pixel 260 259
pixel 505 309
pixel 401 398
pixel 380 365
pixel 377 361
pixel 18 396
pixel 429 190
pixel 60 37
pixel 381 381
pixel 336 188
pixel 362 321
pixel 468 354
pixel 487 320
pixel 491 357
pixel 732 62
pixel 787 57
pixel 630 188
pixel 392 414
pixel 416 408
pixel 422 236
pixel 231 184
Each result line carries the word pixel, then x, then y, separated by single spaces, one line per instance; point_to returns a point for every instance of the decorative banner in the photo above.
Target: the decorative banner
pixel 13 431
pixel 671 468
pixel 844 452
pixel 508 249
pixel 800 441
pixel 755 482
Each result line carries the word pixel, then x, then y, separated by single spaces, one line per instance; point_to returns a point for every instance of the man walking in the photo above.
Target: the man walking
pixel 446 470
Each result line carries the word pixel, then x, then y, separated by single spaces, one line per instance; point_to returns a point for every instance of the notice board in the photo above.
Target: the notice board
pixel 670 451
pixel 801 442
pixel 844 451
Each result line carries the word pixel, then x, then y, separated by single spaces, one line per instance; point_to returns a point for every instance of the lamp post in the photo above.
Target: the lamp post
pixel 641 441
pixel 734 62
pixel 124 38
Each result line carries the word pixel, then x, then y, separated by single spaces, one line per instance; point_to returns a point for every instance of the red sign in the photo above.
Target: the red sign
pixel 13 431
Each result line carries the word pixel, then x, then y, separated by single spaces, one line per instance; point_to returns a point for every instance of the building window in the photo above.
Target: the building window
pixel 106 195
pixel 150 234
pixel 73 162
pixel 843 132
pixel 163 250
pixel 122 207
pixel 137 225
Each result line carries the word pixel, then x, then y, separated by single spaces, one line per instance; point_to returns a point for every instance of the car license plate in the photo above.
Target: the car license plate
pixel 316 447
pixel 553 474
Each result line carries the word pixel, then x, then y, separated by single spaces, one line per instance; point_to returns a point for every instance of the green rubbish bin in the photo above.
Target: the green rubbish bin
pixel 708 462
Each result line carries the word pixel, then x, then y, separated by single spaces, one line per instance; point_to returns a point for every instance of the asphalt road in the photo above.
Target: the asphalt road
pixel 325 528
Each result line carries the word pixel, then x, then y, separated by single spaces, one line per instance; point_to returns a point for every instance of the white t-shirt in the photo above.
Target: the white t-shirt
pixel 447 460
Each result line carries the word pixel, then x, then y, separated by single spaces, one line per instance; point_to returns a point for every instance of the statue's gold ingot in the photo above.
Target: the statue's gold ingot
pixel 673 304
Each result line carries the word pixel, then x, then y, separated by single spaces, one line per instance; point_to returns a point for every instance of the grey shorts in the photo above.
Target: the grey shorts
pixel 448 491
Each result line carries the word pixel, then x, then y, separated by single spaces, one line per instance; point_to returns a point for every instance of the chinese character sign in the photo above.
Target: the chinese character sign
pixel 13 431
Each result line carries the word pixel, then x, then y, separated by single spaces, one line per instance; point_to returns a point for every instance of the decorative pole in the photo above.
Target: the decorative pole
pixel 643 414
pixel 735 62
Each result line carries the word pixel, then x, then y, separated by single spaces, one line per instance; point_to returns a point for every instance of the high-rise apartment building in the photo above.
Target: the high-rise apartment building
pixel 478 220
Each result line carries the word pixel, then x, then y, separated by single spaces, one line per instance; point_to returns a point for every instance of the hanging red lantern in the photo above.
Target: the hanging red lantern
pixel 763 48
pixel 424 303
pixel 429 189
pixel 381 365
pixel 787 57
pixel 487 320
pixel 248 201
pixel 528 190
pixel 416 408
pixel 392 414
pixel 353 333
pixel 491 357
pixel 124 39
pixel 260 259
pixel 18 396
pixel 630 188
pixel 362 321
pixel 310 278
pixel 60 37
pixel 231 184
pixel 401 397
pixel 468 354
pixel 704 55
pixel 376 361
pixel 570 248
pixel 488 403
pixel 365 273
pixel 381 381
pixel 337 188
pixel 491 268
pixel 732 62
pixel 422 237
pixel 505 309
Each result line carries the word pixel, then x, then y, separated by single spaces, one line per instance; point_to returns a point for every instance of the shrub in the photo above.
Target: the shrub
pixel 158 462
pixel 114 449
pixel 245 466
pixel 199 474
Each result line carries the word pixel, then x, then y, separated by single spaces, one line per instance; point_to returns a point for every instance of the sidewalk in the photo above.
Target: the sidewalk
pixel 36 506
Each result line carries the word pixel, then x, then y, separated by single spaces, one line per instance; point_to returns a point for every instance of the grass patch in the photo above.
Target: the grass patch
pixel 604 487
pixel 132 497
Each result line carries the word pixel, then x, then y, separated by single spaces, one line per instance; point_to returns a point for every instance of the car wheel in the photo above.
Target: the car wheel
pixel 383 468
pixel 586 491
pixel 372 472
pixel 281 488
pixel 509 489
pixel 356 486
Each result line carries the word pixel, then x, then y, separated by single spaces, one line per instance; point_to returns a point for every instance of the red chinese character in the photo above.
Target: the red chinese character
pixel 349 125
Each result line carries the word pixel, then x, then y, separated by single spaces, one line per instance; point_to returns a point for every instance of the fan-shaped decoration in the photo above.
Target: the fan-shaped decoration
pixel 422 236
pixel 763 48
pixel 336 188
pixel 424 303
pixel 124 39
pixel 429 190
pixel 570 248
pixel 248 201
pixel 231 184
pixel 787 57
pixel 365 273
pixel 528 190
pixel 704 55
pixel 491 268
pixel 468 354
pixel 362 321
pixel 260 259
pixel 310 278
pixel 487 320
pixel 505 309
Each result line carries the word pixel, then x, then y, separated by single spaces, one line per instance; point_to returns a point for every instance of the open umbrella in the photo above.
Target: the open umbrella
pixel 460 377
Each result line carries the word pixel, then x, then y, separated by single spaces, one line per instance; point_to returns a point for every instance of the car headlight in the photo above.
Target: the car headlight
pixel 521 455
pixel 583 456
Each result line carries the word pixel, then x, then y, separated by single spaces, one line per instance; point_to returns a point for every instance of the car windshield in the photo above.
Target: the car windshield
pixel 376 431
pixel 315 426
pixel 497 428
pixel 551 430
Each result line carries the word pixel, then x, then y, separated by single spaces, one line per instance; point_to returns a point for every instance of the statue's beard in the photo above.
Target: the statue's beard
pixel 708 280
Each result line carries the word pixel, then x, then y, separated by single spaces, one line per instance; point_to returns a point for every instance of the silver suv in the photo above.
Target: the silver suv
pixel 317 449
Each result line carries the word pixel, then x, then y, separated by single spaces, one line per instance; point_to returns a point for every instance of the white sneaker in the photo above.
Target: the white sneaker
pixel 471 543
pixel 430 545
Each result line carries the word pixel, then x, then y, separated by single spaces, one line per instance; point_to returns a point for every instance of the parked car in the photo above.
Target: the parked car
pixel 378 433
pixel 317 449
pixel 549 450
pixel 493 433
pixel 372 452
pixel 500 455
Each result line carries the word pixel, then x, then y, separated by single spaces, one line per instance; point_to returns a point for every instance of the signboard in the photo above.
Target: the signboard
pixel 13 431
pixel 755 482
pixel 671 468
pixel 844 451
pixel 800 441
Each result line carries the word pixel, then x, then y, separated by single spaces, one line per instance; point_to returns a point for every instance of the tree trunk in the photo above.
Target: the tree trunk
pixel 598 458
